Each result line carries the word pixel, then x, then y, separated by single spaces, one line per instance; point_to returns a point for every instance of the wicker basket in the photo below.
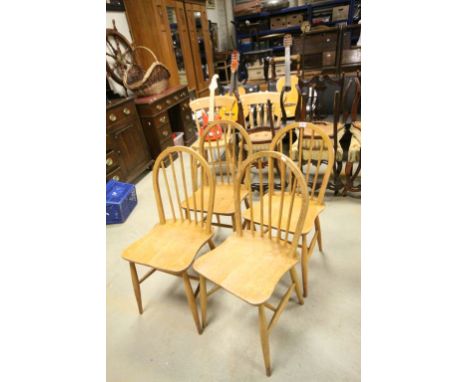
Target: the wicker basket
pixel 154 80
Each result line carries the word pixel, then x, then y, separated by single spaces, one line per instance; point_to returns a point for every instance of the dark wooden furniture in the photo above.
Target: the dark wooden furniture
pixel 127 154
pixel 329 50
pixel 163 114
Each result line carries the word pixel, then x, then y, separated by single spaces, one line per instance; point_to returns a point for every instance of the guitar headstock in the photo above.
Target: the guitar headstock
pixel 287 40
pixel 234 61
pixel 214 83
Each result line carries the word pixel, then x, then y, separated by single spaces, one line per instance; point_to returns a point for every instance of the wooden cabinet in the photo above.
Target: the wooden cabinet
pixel 127 154
pixel 177 31
pixel 163 114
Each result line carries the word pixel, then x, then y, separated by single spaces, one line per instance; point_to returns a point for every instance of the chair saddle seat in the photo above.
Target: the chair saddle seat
pixel 313 211
pixel 224 199
pixel 249 267
pixel 170 247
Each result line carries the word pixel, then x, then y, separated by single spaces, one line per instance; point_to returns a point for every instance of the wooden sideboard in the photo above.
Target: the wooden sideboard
pixel 127 154
pixel 163 114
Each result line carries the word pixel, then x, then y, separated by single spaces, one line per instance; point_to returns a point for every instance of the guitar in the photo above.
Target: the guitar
pixel 287 84
pixel 216 132
pixel 233 88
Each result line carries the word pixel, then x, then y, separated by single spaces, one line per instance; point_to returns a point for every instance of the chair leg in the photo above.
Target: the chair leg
pixel 304 264
pixel 211 244
pixel 191 301
pixel 264 338
pixel 136 286
pixel 245 224
pixel 294 279
pixel 233 223
pixel 319 235
pixel 203 298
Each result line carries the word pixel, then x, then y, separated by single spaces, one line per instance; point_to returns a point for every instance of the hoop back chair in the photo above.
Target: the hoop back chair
pixel 261 112
pixel 249 263
pixel 172 244
pixel 225 157
pixel 222 105
pixel 350 137
pixel 312 149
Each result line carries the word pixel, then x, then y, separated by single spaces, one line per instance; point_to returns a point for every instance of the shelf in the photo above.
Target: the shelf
pixel 297 28
pixel 307 7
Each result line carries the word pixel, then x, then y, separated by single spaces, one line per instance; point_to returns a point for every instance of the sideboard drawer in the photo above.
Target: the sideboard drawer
pixel 164 132
pixel 122 113
pixel 117 174
pixel 112 161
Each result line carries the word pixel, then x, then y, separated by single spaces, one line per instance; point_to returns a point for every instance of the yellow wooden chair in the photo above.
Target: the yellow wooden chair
pixel 173 243
pixel 225 157
pixel 249 264
pixel 223 106
pixel 312 148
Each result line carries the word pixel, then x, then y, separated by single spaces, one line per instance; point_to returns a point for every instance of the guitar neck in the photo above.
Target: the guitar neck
pixel 233 83
pixel 211 109
pixel 287 67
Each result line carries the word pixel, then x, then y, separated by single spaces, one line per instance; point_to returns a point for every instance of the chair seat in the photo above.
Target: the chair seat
pixel 170 247
pixel 249 267
pixel 224 199
pixel 313 211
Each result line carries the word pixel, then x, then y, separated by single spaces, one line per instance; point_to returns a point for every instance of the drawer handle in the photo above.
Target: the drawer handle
pixel 168 101
pixel 163 119
pixel 109 162
pixel 126 111
pixel 159 107
pixel 165 133
pixel 116 177
pixel 187 117
pixel 112 117
pixel 149 123
pixel 176 98
pixel 328 40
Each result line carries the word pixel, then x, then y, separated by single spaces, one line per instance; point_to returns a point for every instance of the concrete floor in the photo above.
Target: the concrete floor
pixel 319 341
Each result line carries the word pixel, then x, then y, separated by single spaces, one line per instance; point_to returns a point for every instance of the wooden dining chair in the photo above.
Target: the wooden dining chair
pixel 261 112
pixel 225 157
pixel 312 149
pixel 350 139
pixel 249 264
pixel 172 244
pixel 223 105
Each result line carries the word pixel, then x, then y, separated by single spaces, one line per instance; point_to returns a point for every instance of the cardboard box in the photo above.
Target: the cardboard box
pixel 294 20
pixel 340 13
pixel 278 22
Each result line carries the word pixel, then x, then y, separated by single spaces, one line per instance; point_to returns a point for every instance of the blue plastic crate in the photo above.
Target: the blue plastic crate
pixel 121 199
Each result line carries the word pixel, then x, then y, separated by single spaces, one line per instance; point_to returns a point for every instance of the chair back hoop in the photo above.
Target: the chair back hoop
pixel 235 145
pixel 185 183
pixel 225 103
pixel 312 148
pixel 255 111
pixel 352 110
pixel 273 214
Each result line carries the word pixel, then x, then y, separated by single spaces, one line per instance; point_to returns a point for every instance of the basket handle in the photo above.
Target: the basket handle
pixel 147 49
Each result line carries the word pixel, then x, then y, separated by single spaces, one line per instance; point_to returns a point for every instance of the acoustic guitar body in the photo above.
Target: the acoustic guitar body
pixel 291 97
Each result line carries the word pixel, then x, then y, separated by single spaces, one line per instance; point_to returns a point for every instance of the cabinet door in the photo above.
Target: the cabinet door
pixel 132 148
pixel 180 42
pixel 201 45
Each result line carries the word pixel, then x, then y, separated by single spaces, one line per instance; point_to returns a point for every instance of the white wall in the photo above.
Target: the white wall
pixel 218 15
